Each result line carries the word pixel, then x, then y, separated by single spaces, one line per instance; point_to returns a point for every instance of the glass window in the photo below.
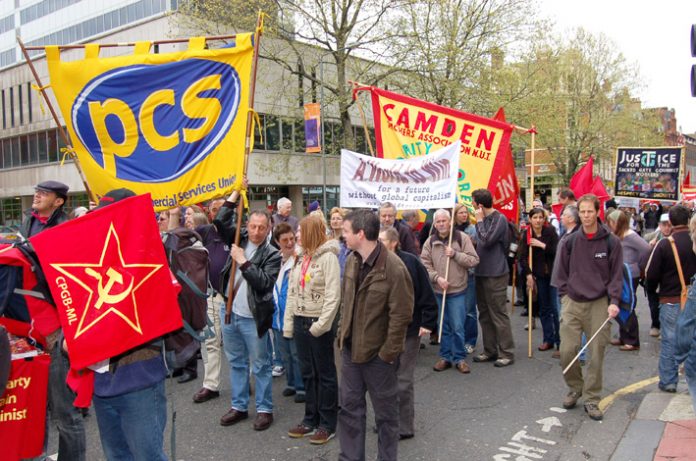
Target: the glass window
pixel 300 144
pixel 4 114
pixel 6 153
pixel 123 16
pixel 107 21
pixel 61 145
pixel 52 145
pixel 272 133
pixel 12 107
pixel 33 148
pixel 131 12
pixel 42 147
pixel 287 134
pixel 29 111
pixel 148 8
pixel 140 9
pixel 24 149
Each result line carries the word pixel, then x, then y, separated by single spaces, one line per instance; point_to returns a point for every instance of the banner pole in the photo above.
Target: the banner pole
pixel 444 292
pixel 247 151
pixel 364 119
pixel 61 132
pixel 529 229
pixel 514 282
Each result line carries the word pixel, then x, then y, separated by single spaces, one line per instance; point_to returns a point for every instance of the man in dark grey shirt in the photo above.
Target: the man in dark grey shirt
pixel 491 281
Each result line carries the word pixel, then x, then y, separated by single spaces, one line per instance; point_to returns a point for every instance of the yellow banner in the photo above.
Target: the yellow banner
pixel 171 124
pixel 407 127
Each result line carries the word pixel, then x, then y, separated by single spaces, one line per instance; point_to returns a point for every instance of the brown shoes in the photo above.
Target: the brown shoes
pixel 615 342
pixel 545 347
pixel 571 400
pixel 463 367
pixel 233 417
pixel 442 365
pixel 205 394
pixel 263 421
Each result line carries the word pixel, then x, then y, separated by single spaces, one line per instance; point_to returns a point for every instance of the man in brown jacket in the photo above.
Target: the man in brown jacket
pixel 376 309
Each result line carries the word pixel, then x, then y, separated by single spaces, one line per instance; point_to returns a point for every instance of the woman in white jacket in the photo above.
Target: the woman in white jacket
pixel 312 304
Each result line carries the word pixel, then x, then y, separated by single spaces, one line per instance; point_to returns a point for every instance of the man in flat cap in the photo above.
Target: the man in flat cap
pixel 46 208
pixel 47 211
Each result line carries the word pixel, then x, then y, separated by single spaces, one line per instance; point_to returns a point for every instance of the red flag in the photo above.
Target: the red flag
pixel 503 182
pixel 109 276
pixel 598 188
pixel 557 209
pixel 687 180
pixel 581 182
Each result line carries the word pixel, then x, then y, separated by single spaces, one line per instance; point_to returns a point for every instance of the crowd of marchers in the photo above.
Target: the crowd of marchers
pixel 339 305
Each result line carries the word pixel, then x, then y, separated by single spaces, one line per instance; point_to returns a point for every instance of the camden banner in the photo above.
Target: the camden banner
pixel 171 124
pixel 110 280
pixel 648 172
pixel 414 183
pixel 407 127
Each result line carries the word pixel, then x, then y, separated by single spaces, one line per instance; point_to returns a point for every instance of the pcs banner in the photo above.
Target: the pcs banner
pixel 407 127
pixel 414 183
pixel 648 172
pixel 171 124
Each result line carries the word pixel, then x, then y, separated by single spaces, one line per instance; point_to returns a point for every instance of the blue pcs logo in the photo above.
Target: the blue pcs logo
pixel 149 123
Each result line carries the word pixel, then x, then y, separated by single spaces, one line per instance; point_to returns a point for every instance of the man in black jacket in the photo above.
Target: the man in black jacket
pixel 246 339
pixel 46 208
pixel 424 322
pixel 387 219
pixel 662 276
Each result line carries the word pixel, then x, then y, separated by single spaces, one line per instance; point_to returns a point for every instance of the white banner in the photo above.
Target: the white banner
pixel 428 181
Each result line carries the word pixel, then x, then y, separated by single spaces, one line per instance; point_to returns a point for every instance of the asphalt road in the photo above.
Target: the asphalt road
pixel 490 414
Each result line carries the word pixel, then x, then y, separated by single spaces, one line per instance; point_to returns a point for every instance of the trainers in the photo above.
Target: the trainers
pixel 321 436
pixel 300 431
pixel 593 411
pixel 571 400
pixel 278 371
pixel 671 388
pixel 503 363
pixel 654 332
pixel 469 349
pixel 485 358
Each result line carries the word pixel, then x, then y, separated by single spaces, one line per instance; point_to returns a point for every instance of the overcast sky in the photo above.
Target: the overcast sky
pixel 655 34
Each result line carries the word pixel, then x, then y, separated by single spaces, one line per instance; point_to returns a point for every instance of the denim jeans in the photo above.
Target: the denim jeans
pixel 471 320
pixel 288 350
pixel 668 367
pixel 131 425
pixel 452 344
pixel 277 354
pixel 547 310
pixel 318 367
pixel 72 443
pixel 242 345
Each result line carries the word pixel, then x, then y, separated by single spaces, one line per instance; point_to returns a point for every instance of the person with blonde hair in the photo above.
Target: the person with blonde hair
pixel 312 303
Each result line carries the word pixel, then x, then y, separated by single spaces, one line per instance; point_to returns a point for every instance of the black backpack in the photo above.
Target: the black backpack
pixel 188 260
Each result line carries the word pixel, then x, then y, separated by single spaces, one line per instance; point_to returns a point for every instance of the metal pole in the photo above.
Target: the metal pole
pixel 321 115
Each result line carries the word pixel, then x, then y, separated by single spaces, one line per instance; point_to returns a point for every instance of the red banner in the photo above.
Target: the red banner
pixel 505 188
pixel 23 409
pixel 407 127
pixel 109 277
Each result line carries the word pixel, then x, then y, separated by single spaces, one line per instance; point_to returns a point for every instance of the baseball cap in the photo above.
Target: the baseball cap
pixel 60 189
pixel 114 196
pixel 313 206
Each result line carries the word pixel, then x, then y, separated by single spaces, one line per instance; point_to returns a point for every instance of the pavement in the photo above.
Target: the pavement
pixel 663 428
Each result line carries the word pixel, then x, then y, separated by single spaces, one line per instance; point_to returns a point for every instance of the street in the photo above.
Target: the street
pixel 490 414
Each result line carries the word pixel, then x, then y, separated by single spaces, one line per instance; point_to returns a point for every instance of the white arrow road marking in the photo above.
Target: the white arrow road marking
pixel 548 423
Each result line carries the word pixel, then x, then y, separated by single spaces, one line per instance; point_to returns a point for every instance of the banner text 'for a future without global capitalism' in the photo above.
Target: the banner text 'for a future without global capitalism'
pixel 420 182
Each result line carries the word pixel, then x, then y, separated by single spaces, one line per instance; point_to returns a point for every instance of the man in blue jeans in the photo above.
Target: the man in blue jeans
pixel 460 255
pixel 246 338
pixel 662 275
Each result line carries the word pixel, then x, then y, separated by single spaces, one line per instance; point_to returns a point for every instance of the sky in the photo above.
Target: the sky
pixel 655 35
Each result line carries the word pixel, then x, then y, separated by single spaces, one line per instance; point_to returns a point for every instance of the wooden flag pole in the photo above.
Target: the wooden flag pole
pixel 529 229
pixel 247 151
pixel 444 292
pixel 61 131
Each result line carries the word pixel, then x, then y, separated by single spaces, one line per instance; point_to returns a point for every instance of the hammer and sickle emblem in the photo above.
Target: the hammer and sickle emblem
pixel 105 295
